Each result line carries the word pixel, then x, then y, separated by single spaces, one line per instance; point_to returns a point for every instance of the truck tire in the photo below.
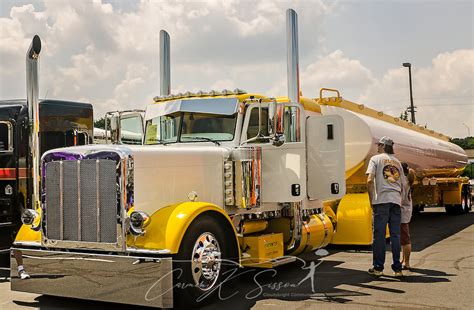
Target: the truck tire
pixel 463 207
pixel 469 202
pixel 204 255
pixel 467 193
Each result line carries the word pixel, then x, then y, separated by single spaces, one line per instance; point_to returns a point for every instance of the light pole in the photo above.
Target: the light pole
pixel 412 107
pixel 468 129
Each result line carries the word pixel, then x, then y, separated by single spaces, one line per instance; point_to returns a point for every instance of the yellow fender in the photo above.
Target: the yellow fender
pixel 354 220
pixel 169 224
pixel 165 230
pixel 26 234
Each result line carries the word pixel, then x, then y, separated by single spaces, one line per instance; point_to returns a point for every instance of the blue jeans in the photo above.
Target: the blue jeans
pixel 386 213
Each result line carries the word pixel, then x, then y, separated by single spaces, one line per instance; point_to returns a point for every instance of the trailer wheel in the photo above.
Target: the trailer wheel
pixel 464 205
pixel 204 255
pixel 468 190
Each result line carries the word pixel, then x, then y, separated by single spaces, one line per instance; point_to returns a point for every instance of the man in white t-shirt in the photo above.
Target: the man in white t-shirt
pixel 385 187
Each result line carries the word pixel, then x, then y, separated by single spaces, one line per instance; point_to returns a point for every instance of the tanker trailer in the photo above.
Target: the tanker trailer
pixel 438 165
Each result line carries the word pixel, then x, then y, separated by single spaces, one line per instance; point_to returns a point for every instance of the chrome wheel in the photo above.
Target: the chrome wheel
pixel 464 207
pixel 206 261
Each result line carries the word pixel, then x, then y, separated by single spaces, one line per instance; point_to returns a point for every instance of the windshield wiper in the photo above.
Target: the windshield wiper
pixel 202 138
pixel 162 142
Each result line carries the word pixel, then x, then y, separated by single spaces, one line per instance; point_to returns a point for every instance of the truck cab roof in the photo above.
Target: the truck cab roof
pixel 22 102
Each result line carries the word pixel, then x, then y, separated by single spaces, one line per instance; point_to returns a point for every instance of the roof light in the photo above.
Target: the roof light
pixel 239 91
pixel 226 92
pixel 215 93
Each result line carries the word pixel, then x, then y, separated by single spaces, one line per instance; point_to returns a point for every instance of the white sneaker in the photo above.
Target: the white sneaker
pixel 23 274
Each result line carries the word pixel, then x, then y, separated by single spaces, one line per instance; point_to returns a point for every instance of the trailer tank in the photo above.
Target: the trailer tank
pixel 438 165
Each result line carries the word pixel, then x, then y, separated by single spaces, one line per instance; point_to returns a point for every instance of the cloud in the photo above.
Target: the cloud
pixel 107 53
pixel 442 92
pixel 336 71
pixel 92 49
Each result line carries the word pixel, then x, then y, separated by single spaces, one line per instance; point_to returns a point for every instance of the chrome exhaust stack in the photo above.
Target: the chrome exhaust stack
pixel 293 76
pixel 293 71
pixel 165 75
pixel 32 57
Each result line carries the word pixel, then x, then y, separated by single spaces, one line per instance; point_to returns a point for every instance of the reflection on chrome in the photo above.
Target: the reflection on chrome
pixel 112 278
pixel 248 177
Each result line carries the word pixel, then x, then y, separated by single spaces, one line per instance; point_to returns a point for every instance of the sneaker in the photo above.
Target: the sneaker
pixel 375 272
pixel 398 274
pixel 23 274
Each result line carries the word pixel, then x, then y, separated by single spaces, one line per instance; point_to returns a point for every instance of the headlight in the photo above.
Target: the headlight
pixel 31 218
pixel 8 190
pixel 138 221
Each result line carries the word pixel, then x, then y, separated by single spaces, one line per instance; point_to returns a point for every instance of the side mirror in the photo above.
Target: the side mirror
pixel 131 128
pixel 114 120
pixel 112 131
pixel 276 129
pixel 126 127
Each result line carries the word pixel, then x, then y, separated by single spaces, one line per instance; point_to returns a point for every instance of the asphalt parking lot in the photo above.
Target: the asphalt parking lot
pixel 443 261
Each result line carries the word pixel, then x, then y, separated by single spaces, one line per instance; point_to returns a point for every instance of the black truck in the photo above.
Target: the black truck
pixel 62 123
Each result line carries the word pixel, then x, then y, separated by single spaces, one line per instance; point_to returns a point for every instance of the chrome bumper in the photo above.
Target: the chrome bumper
pixel 113 278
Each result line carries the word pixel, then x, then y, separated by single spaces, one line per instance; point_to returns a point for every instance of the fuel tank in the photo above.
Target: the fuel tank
pixel 430 154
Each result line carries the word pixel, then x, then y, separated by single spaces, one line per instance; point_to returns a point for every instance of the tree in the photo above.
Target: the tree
pixel 404 115
pixel 466 143
pixel 99 123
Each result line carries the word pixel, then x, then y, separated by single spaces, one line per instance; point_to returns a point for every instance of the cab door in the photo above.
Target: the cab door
pixel 325 155
pixel 283 167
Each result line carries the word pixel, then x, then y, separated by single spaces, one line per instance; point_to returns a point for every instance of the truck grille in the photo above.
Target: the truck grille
pixel 81 200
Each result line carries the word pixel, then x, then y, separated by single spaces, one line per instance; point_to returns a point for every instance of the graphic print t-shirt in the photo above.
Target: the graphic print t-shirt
pixel 388 178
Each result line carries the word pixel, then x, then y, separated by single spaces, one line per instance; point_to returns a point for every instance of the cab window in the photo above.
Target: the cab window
pixel 163 129
pixel 6 137
pixel 190 127
pixel 212 126
pixel 252 129
pixel 131 130
pixel 291 123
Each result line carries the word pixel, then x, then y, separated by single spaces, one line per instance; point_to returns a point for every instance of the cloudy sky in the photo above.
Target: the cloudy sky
pixel 106 52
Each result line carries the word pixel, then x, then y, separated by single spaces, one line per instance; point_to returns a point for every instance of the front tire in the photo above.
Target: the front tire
pixel 204 255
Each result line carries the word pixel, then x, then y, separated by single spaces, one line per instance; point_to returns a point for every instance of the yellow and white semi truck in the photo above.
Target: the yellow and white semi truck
pixel 223 180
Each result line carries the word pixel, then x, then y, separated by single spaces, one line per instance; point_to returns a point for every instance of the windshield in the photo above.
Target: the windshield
pixel 190 127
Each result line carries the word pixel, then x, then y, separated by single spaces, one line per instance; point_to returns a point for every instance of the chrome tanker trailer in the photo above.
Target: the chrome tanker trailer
pixel 437 163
